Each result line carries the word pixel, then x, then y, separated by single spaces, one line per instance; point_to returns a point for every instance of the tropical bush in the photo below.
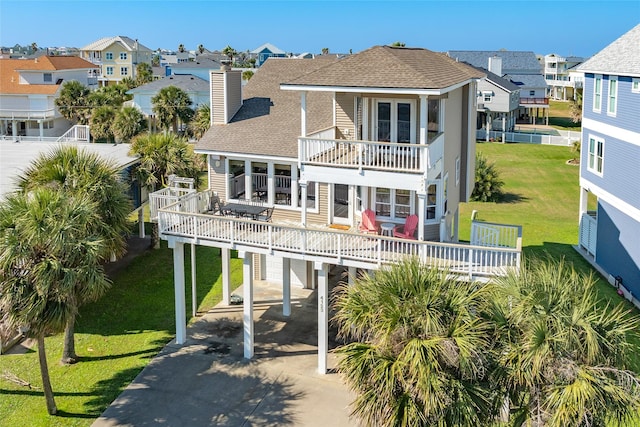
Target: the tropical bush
pixel 488 185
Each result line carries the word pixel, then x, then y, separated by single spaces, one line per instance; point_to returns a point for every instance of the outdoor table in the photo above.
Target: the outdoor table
pixel 246 210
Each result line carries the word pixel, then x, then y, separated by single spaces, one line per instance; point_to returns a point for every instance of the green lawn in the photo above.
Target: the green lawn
pixel 115 338
pixel 559 116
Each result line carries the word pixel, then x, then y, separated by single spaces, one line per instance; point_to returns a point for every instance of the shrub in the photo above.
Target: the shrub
pixel 488 186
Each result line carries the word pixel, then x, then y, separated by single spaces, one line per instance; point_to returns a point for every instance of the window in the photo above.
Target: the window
pixel 394 121
pixel 487 96
pixel 236 179
pixel 124 71
pixel 457 171
pixel 433 119
pixel 613 96
pixel 48 78
pixel 109 71
pixel 597 93
pixel 432 201
pixel 108 56
pixel 532 93
pixel 635 85
pixel 394 204
pixel 596 155
pixel 123 56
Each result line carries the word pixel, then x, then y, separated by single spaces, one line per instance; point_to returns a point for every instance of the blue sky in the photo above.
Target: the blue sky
pixel 576 27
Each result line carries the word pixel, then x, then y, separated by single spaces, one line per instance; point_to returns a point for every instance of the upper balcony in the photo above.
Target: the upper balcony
pixel 17 114
pixel 534 101
pixel 321 156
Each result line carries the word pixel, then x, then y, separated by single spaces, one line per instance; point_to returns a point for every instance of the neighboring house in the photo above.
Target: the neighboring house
pixel 316 149
pixel 559 78
pixel 199 68
pixel 610 162
pixel 522 68
pixel 498 102
pixel 265 52
pixel 117 57
pixel 29 88
pixel 195 87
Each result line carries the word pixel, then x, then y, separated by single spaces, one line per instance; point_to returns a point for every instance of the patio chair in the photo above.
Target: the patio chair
pixel 368 224
pixel 267 215
pixel 406 231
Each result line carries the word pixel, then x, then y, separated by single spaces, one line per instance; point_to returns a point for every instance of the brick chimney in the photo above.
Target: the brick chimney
pixel 225 94
pixel 495 65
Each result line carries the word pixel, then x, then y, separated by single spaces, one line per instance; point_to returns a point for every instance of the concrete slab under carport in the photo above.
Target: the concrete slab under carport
pixel 207 381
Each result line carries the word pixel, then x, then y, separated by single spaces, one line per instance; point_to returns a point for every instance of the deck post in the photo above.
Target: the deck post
pixel 141 223
pixel 225 254
pixel 352 275
pixel 323 316
pixel 303 202
pixel 194 296
pixel 286 287
pixel 247 306
pixel 422 197
pixel 178 284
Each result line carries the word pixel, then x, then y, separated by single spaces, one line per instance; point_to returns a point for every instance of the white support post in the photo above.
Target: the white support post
pixel 194 296
pixel 323 317
pixel 141 223
pixel 303 114
pixel 225 254
pixel 352 275
pixel 286 287
pixel 248 185
pixel 584 197
pixel 247 307
pixel 424 111
pixel 178 284
pixel 303 203
pixel 422 197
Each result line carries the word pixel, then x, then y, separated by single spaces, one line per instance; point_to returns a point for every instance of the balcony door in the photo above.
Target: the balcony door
pixel 395 121
pixel 340 202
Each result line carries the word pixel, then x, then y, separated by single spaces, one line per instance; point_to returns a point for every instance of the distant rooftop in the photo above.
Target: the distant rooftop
pixel 127 42
pixel 513 62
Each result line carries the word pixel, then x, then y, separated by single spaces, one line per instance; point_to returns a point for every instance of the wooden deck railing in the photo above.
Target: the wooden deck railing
pixel 182 220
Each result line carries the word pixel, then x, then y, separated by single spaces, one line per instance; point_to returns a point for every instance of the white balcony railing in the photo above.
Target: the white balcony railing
pixel 78 133
pixel 182 220
pixel 165 197
pixel 589 232
pixel 384 156
pixel 496 235
pixel 17 114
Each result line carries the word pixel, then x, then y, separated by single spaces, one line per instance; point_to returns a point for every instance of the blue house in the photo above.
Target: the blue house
pixel 265 52
pixel 610 163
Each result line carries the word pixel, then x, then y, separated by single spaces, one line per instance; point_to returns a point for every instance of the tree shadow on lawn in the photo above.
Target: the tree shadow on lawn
pixel 512 198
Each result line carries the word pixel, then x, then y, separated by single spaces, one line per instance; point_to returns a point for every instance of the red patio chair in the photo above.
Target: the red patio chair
pixel 368 224
pixel 406 231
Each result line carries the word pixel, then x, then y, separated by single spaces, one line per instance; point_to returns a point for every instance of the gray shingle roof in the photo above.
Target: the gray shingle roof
pixel 200 62
pixel 391 67
pixel 268 123
pixel 186 82
pixel 127 42
pixel 497 80
pixel 622 57
pixel 513 62
pixel 527 80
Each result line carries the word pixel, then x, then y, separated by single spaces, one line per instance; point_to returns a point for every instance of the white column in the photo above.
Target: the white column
pixel 424 111
pixel 225 254
pixel 303 201
pixel 141 223
pixel 286 287
pixel 271 193
pixel 247 307
pixel 248 187
pixel 422 197
pixel 194 296
pixel 352 275
pixel 303 114
pixel 41 127
pixel 323 316
pixel 584 197
pixel 178 284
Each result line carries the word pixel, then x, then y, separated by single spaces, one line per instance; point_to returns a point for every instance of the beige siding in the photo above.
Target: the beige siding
pixel 234 93
pixel 312 218
pixel 344 115
pixel 217 97
pixel 454 134
pixel 217 178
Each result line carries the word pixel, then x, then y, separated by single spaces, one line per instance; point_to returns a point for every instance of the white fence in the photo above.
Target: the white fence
pixel 564 138
pixel 496 235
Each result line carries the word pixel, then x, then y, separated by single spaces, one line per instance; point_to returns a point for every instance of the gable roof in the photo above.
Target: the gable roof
pixel 186 82
pixel 622 57
pixel 527 81
pixel 513 62
pixel 505 84
pixel 10 73
pixel 200 62
pixel 271 48
pixel 126 42
pixel 268 123
pixel 387 67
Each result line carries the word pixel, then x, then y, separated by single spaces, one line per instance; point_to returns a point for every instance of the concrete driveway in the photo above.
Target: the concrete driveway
pixel 207 382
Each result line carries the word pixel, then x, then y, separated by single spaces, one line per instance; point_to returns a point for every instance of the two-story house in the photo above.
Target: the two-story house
pixel 266 51
pixel 117 57
pixel 522 69
pixel 356 162
pixel 610 162
pixel 29 88
pixel 557 73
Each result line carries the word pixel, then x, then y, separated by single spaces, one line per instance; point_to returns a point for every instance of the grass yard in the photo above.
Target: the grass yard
pixel 559 116
pixel 116 338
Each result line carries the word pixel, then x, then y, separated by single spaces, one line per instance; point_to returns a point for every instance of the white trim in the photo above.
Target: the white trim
pixel 610 112
pixel 618 203
pixel 393 125
pixel 625 135
pixel 597 142
pixel 597 108
pixel 377 90
pixel 392 203
pixel 457 171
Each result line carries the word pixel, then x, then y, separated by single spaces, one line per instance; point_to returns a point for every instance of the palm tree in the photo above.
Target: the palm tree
pixel 162 155
pixel 201 121
pixel 181 48
pixel 421 350
pixel 325 50
pixel 73 102
pixel 230 52
pixel 34 47
pixel 49 242
pixel 82 174
pixel 144 73
pixel 562 354
pixel 247 74
pixel 102 121
pixel 170 105
pixel 201 49
pixel 488 185
pixel 128 123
